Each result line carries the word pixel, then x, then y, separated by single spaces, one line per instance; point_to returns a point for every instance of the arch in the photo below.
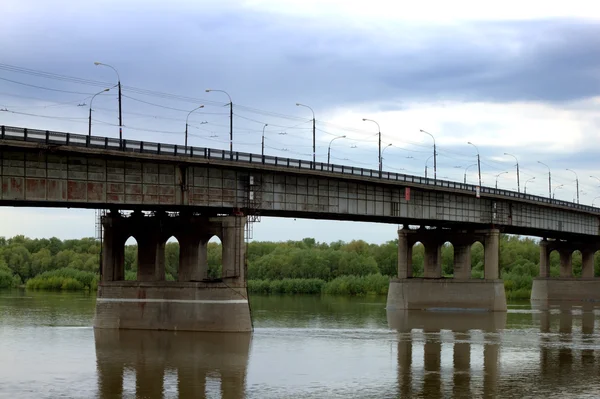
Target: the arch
pixel 447 259
pixel 576 262
pixel 130 258
pixel 171 255
pixel 554 258
pixel 417 258
pixel 477 260
pixel 214 257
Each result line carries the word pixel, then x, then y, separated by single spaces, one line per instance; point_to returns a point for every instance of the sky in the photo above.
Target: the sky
pixel 521 78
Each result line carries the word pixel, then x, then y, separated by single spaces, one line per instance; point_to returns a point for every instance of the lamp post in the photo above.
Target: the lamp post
pixel 597 178
pixel 120 108
pixel 466 169
pixel 379 133
pixel 498 175
pixel 90 117
pixel 383 151
pixel 186 125
pixel 314 132
pixel 230 119
pixel 329 148
pixel 576 183
pixel 262 152
pixel 556 188
pixel 549 179
pixel 594 200
pixel 478 162
pixel 426 162
pixel 518 180
pixel 527 181
pixel 434 155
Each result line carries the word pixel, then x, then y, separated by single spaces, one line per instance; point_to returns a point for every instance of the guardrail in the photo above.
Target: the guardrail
pixel 80 140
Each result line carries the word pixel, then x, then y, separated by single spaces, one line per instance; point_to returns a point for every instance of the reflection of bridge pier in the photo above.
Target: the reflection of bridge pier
pixel 566 287
pixel 194 302
pixel 430 324
pixel 155 355
pixel 434 292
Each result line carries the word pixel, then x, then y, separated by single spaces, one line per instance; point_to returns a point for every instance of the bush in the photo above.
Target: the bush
pixel 64 279
pixel 373 284
pixel 6 279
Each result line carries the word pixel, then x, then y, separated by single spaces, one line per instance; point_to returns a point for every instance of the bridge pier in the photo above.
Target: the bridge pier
pixel 434 292
pixel 194 302
pixel 566 287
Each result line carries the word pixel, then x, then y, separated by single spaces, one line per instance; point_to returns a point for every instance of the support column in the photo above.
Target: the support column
pixel 150 256
pixel 234 247
pixel 113 248
pixel 587 263
pixel 432 267
pixel 462 262
pixel 566 266
pixel 189 258
pixel 404 254
pixel 492 250
pixel 544 259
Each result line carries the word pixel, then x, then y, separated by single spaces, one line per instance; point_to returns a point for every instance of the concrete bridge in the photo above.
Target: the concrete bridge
pixel 194 193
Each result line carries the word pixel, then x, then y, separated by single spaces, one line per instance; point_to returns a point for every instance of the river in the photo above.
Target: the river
pixel 302 347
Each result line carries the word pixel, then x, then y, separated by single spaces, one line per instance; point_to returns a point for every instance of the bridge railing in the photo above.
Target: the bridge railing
pixel 79 140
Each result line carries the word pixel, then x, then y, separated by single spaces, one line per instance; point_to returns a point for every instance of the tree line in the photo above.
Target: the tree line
pixel 308 266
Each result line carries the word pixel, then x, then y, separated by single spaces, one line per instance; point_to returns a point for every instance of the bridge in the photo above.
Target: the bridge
pixel 194 193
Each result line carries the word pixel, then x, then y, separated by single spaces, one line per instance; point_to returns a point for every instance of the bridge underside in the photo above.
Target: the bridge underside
pixel 194 302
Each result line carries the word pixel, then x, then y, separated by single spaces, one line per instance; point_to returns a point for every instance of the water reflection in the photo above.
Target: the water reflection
pixel 447 354
pixel 157 364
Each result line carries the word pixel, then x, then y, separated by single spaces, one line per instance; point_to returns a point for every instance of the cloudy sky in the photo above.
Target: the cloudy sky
pixel 517 77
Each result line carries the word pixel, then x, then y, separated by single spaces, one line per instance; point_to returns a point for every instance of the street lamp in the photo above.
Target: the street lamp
pixel 527 181
pixel 594 200
pixel 90 117
pixel 498 175
pixel 478 162
pixel 186 125
pixel 576 183
pixel 329 148
pixel 379 133
pixel 518 182
pixel 314 132
pixel 383 152
pixel 594 177
pixel 466 169
pixel 434 156
pixel 426 162
pixel 556 188
pixel 120 109
pixel 262 152
pixel 549 179
pixel 230 119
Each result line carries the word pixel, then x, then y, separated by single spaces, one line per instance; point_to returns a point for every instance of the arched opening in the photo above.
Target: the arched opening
pixel 214 257
pixel 171 253
pixel 576 262
pixel 597 264
pixel 554 263
pixel 417 259
pixel 477 260
pixel 130 259
pixel 447 260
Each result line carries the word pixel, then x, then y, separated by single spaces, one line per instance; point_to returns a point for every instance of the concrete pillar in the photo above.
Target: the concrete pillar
pixel 587 263
pixel 404 262
pixel 113 248
pixel 462 374
pixel 234 247
pixel 566 267
pixel 544 259
pixel 462 262
pixel 189 261
pixel 491 254
pixel 432 266
pixel 150 255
